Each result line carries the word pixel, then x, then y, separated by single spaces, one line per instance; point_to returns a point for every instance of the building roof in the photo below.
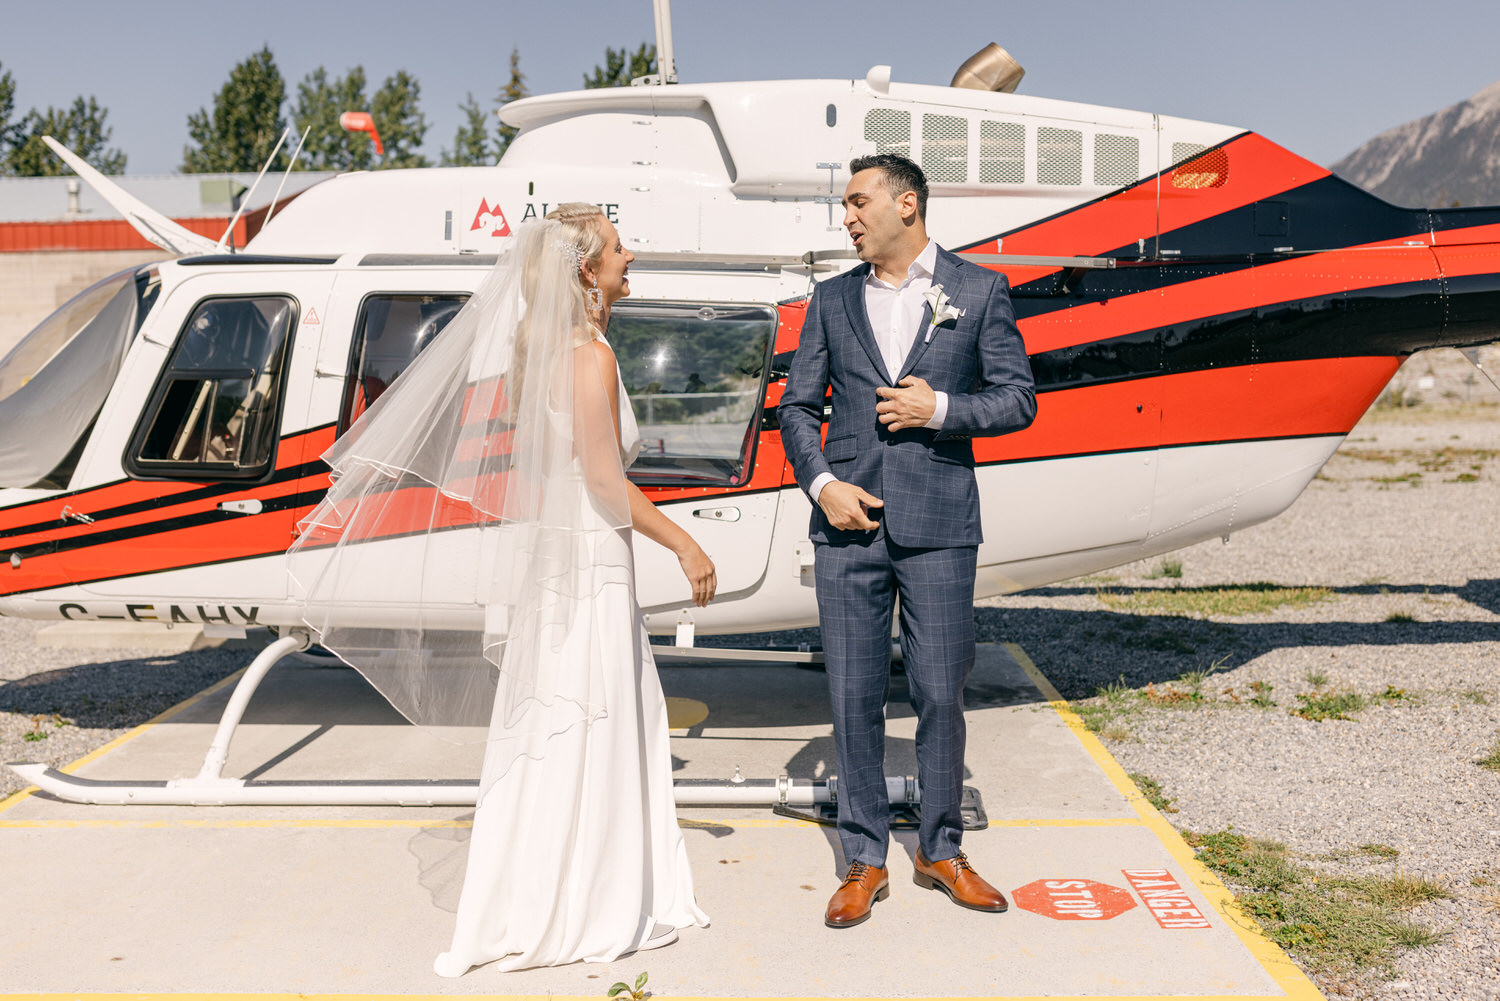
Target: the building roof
pixel 177 196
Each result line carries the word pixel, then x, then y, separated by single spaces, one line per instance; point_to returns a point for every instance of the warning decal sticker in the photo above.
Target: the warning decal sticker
pixel 1165 898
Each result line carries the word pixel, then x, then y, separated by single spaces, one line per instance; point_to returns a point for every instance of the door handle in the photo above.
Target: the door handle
pixel 250 506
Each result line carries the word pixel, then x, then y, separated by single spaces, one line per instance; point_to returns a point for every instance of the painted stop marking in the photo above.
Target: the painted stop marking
pixel 1073 899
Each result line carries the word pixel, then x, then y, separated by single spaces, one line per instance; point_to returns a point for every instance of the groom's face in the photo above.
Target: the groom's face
pixel 877 223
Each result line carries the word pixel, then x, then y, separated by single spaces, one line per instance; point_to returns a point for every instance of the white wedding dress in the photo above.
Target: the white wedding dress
pixel 575 853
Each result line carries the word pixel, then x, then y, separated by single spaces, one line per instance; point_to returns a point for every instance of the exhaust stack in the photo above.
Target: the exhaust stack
pixel 991 68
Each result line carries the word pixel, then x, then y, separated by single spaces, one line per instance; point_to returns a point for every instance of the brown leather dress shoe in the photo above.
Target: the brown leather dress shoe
pixel 851 902
pixel 959 881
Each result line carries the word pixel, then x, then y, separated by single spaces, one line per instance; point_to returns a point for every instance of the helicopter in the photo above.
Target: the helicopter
pixel 1207 316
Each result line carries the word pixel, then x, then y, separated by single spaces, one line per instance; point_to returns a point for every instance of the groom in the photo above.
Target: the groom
pixel 922 353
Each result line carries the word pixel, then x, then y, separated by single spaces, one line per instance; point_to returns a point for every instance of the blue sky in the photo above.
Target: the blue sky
pixel 1317 76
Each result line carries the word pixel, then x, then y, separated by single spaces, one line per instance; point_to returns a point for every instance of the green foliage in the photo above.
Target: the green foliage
pixel 1214 599
pixel 320 101
pixel 245 124
pixel 1262 697
pixel 514 90
pixel 1151 789
pixel 471 143
pixel 621 66
pixel 1379 850
pixel 1329 705
pixel 1335 924
pixel 1491 760
pixel 398 119
pixel 80 127
pixel 636 993
pixel 401 123
pixel 8 129
pixel 1168 567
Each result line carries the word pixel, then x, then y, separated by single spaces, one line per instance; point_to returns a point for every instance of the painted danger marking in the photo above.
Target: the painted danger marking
pixel 1165 898
pixel 311 320
pixel 1073 899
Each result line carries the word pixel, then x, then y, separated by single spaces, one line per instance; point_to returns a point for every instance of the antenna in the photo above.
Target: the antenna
pixel 666 63
pixel 224 240
pixel 290 164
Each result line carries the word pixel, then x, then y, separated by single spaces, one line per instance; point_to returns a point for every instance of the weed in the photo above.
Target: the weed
pixel 1316 677
pixel 1262 697
pixel 34 735
pixel 636 993
pixel 1115 691
pixel 1333 924
pixel 1464 478
pixel 1491 900
pixel 1095 716
pixel 1117 732
pixel 1151 789
pixel 1411 479
pixel 1213 599
pixel 1400 617
pixel 1165 696
pixel 1168 567
pixel 1491 760
pixel 1476 696
pixel 1379 850
pixel 1329 705
pixel 1394 694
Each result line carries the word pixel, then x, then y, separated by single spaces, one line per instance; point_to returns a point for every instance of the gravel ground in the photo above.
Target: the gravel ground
pixel 1402 529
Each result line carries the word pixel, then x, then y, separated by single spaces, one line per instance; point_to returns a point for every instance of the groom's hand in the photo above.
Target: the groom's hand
pixel 846 505
pixel 909 407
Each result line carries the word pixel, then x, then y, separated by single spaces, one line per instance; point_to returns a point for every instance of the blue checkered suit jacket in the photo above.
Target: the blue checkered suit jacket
pixel 925 477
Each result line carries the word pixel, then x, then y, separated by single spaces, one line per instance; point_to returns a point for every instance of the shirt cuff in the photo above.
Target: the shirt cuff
pixel 940 412
pixel 819 482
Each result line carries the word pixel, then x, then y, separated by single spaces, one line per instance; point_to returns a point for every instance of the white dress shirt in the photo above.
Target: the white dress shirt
pixel 895 312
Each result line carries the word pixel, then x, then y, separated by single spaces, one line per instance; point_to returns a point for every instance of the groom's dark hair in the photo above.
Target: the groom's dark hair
pixel 901 175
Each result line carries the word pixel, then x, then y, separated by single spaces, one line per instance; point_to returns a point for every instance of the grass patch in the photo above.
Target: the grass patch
pixel 1475 695
pixel 1168 567
pixel 1394 694
pixel 1316 677
pixel 1151 789
pixel 1400 617
pixel 1491 760
pixel 1261 697
pixel 1335 925
pixel 1213 599
pixel 1379 850
pixel 1329 705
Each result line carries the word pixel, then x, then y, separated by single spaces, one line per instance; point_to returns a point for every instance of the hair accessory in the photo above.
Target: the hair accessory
pixel 571 252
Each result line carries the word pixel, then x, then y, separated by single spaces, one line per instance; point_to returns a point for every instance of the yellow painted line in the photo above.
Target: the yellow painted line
pixel 378 823
pixel 1288 976
pixel 128 735
pixel 142 996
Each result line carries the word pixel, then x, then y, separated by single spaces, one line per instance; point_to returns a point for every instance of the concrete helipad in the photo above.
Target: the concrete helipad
pixel 286 901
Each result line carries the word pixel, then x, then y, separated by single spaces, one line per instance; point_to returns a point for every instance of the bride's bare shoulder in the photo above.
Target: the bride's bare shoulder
pixel 602 355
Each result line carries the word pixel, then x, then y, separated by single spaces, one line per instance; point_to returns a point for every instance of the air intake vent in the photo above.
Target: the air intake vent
pixel 945 148
pixel 1117 160
pixel 1210 170
pixel 1002 153
pixel 1059 156
pixel 889 130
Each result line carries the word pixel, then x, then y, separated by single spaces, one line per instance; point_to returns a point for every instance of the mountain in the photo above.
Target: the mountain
pixel 1449 157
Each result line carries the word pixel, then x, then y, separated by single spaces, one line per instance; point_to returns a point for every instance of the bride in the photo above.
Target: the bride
pixel 514 426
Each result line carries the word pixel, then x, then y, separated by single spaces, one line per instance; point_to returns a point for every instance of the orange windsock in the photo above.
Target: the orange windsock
pixel 362 121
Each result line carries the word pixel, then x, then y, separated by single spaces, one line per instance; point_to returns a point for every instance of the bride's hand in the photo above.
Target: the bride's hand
pixel 699 570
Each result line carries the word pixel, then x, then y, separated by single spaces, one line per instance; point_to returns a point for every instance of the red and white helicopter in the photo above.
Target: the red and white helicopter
pixel 1207 315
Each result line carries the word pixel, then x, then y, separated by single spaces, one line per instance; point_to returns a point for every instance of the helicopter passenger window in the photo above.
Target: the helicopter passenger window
pixel 391 331
pixel 696 378
pixel 214 414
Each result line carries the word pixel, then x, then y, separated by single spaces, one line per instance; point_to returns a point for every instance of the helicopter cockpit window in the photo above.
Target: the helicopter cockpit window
pixel 696 378
pixel 214 413
pixel 391 331
pixel 54 382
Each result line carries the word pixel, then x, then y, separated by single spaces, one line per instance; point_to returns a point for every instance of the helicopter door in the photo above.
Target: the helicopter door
pixel 208 429
pixel 696 377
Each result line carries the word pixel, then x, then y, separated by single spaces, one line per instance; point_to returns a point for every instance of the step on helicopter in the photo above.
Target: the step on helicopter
pixel 1207 316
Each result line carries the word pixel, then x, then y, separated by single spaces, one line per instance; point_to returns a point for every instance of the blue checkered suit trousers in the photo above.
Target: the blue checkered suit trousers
pixel 857 584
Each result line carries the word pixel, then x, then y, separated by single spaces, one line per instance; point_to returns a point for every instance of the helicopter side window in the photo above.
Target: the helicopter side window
pixel 391 331
pixel 214 414
pixel 696 377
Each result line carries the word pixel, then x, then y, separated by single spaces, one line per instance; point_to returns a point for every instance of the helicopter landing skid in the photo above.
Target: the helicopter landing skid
pixel 211 788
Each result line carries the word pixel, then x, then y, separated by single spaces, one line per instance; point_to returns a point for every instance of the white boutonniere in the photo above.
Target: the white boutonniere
pixel 943 310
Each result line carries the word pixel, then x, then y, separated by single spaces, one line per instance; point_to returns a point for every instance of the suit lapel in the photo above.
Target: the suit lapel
pixel 859 319
pixel 946 274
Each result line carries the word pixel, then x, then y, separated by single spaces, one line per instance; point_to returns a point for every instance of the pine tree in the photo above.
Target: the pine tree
pixel 512 91
pixel 401 123
pixel 620 67
pixel 245 123
pixel 9 131
pixel 319 104
pixel 471 147
pixel 81 128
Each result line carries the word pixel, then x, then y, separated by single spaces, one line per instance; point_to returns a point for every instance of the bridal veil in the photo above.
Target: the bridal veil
pixel 451 561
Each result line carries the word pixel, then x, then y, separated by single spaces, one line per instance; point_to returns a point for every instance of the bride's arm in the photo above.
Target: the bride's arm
pixel 644 515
